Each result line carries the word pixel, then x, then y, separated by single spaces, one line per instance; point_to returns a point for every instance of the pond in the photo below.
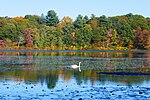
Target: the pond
pixel 45 75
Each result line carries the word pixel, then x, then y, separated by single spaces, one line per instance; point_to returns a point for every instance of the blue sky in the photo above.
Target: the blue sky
pixel 73 8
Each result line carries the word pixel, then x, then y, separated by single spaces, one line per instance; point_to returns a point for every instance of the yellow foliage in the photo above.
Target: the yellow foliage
pixel 16 47
pixel 67 19
pixel 14 43
pixel 8 40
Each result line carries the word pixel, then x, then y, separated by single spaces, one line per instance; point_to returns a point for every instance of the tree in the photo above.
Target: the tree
pixel 28 37
pixel 112 39
pixel 94 23
pixel 66 20
pixel 86 19
pixel 52 18
pixel 142 39
pixel 68 40
pixel 98 36
pixel 9 31
pixel 83 36
pixel 39 37
pixel 34 20
pixel 124 31
pixel 53 37
pixel 79 22
pixel 93 16
pixel 68 29
pixel 66 25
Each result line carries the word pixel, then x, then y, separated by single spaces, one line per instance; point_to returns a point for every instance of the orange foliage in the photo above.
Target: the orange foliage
pixel 19 19
pixel 124 17
pixel 94 23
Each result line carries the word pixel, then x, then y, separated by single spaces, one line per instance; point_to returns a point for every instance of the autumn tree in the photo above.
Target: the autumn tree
pixel 94 23
pixel 66 25
pixel 28 37
pixel 142 39
pixel 112 38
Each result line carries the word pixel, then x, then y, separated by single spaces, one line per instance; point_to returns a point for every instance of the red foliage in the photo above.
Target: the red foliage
pixel 83 48
pixel 142 38
pixel 2 44
pixel 28 37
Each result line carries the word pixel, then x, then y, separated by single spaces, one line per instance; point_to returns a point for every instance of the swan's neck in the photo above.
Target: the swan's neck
pixel 79 64
pixel 79 67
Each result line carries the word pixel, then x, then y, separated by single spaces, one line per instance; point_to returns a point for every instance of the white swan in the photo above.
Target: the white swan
pixel 76 66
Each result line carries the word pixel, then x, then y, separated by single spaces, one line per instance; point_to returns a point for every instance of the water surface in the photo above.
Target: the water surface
pixel 47 75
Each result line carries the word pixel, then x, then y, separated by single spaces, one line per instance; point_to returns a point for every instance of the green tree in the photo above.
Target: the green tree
pixel 83 36
pixel 136 21
pixel 79 22
pixel 33 20
pixel 68 29
pixel 68 40
pixel 124 31
pixel 52 18
pixel 86 19
pixel 98 36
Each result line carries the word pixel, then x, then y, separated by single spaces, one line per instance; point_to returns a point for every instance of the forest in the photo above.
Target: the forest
pixel 124 32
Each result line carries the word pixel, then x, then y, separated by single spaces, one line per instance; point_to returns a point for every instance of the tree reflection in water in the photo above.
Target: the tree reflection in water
pixel 51 77
pixel 51 80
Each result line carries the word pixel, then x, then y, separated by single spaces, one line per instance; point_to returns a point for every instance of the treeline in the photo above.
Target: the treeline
pixel 49 32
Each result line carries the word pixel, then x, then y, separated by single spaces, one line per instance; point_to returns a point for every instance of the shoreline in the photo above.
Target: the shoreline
pixel 35 50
